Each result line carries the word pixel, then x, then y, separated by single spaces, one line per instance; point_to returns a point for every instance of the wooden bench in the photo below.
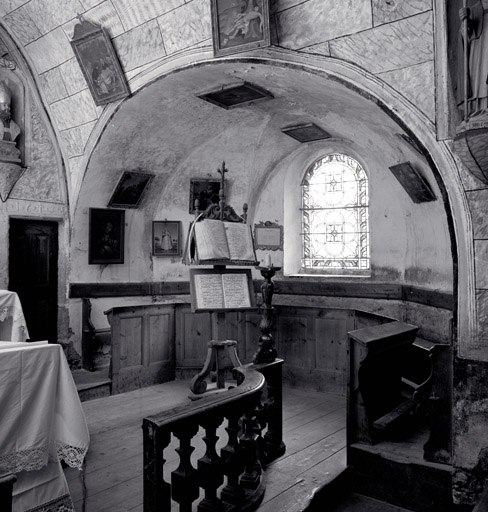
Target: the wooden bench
pixel 416 374
pixel 95 343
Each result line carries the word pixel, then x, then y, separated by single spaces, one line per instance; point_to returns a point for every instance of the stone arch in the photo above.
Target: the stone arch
pixel 419 128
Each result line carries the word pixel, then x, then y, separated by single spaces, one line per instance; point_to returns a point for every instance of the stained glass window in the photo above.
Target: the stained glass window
pixel 335 227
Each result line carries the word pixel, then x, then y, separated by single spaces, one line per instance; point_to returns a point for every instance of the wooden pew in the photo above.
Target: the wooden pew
pixel 377 359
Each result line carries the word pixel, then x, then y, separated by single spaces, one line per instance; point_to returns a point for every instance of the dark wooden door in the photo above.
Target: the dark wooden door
pixel 33 274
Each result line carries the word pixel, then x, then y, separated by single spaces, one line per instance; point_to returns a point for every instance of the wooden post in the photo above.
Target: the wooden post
pixel 250 442
pixel 222 172
pixel 157 492
pixel 466 62
pixel 273 438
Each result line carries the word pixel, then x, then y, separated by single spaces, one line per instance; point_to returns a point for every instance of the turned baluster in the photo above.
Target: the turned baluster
pixel 232 458
pixel 157 492
pixel 184 479
pixel 250 441
pixel 210 475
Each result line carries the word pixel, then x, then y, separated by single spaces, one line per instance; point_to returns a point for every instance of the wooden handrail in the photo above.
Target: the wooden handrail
pixel 240 461
pixel 252 382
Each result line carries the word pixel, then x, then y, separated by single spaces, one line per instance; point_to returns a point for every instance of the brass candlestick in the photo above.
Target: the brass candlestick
pixel 266 352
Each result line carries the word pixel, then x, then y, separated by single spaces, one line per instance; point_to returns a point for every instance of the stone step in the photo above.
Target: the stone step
pixel 92 385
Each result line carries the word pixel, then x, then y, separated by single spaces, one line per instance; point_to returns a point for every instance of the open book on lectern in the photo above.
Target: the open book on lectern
pixel 224 243
pixel 221 289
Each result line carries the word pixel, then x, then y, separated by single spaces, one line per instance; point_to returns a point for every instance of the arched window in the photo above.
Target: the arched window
pixel 335 227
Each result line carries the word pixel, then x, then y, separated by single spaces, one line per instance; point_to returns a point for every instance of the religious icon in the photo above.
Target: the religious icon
pixel 106 236
pixel 166 239
pixel 99 64
pixel 239 25
pixel 130 189
pixel 473 86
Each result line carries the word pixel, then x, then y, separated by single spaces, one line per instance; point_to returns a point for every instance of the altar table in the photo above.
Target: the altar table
pixel 12 321
pixel 42 423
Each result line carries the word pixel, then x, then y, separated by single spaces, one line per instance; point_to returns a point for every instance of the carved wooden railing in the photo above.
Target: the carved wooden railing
pixel 240 461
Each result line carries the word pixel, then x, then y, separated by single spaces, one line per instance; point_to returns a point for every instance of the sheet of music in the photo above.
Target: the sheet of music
pixel 236 291
pixel 209 293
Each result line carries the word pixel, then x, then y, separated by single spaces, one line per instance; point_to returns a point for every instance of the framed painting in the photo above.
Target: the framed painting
pixel 415 185
pixel 206 191
pixel 239 25
pixel 166 238
pixel 99 63
pixel 106 236
pixel 268 236
pixel 130 189
pixel 236 95
pixel 306 132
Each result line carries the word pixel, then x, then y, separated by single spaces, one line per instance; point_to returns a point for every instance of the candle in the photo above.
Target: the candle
pixel 268 260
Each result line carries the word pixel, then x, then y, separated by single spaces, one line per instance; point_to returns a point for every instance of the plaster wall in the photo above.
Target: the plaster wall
pixel 148 32
pixel 40 192
pixel 409 241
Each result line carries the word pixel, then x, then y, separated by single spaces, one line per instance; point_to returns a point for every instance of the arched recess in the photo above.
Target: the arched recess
pixel 406 116
pixel 41 192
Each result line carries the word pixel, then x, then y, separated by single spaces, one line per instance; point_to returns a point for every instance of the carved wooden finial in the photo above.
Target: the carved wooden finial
pixel 222 172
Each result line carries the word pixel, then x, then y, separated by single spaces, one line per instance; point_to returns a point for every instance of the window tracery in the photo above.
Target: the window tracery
pixel 335 216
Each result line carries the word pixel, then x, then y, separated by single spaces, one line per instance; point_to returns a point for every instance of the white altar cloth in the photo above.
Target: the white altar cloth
pixel 42 423
pixel 12 321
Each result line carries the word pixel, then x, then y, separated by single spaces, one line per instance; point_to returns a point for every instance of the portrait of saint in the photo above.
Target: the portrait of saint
pixel 166 238
pixel 240 25
pixel 106 236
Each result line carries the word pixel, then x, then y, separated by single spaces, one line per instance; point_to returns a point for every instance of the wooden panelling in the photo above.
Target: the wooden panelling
pixel 427 297
pixel 249 333
pixel 313 343
pixel 336 289
pixel 159 329
pixel 331 328
pixel 193 332
pixel 287 286
pixel 311 340
pixel 364 319
pixel 130 341
pixel 294 336
pixel 92 290
pixel 142 346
